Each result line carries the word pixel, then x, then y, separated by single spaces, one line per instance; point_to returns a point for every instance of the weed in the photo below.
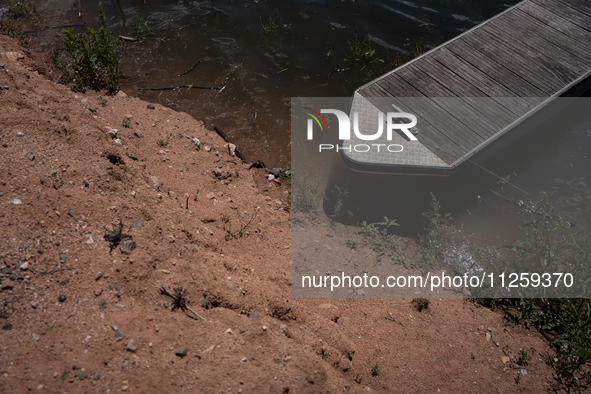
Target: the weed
pixel 358 379
pixel 517 377
pixel 435 232
pixel 245 311
pixel 162 142
pixel 375 370
pixel 270 28
pixel 352 243
pixel 305 194
pixel 418 49
pixel 523 358
pixel 172 103
pixel 325 355
pixel 102 101
pixel 115 236
pixel 140 26
pixel 125 123
pixel 230 234
pixel 362 51
pixel 92 61
pixel 287 28
pixel 21 9
pixel 338 201
pixel 377 237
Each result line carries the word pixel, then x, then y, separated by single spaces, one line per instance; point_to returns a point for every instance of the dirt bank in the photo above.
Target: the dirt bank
pixel 81 316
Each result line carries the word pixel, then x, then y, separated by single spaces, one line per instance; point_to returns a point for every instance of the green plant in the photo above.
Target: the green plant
pixel 270 28
pixel 115 236
pixel 352 243
pixel 162 142
pixel 375 370
pixel 325 355
pixel 338 201
pixel 125 123
pixel 287 28
pixel 518 377
pixel 358 379
pixel 305 194
pixel 362 51
pixel 140 26
pixel 21 9
pixel 102 101
pixel 523 358
pixel 91 61
pixel 418 48
pixel 436 231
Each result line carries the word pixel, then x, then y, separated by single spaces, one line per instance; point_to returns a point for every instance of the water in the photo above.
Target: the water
pixel 259 73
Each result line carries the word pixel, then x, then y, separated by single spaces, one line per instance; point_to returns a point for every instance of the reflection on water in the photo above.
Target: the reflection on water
pixel 305 57
pixel 260 72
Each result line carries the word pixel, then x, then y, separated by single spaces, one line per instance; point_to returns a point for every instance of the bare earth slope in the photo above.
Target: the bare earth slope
pixel 78 316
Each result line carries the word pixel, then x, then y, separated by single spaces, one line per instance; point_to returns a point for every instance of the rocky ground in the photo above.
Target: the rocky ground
pixel 93 222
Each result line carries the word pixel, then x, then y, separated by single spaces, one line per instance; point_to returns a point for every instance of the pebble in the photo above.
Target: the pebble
pixel 72 212
pixel 489 329
pixel 181 169
pixel 151 106
pixel 131 346
pixel 36 338
pixel 243 330
pixel 96 376
pixel 182 352
pixel 264 328
pixel 1 194
pixel 127 246
pixel 63 257
pixel 98 291
pixel 114 327
pixel 136 225
pixel 119 335
pixel 62 298
pixel 252 315
pixel 139 134
pixel 32 156
pixel 16 201
pixel 7 327
pixel 271 177
pixel 276 172
pixel 197 143
pixel 24 266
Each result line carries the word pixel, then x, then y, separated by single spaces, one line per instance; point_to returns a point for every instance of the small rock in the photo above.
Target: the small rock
pixel 7 327
pixel 243 330
pixel 264 328
pixel 151 106
pixel 488 336
pixel 136 225
pixel 131 346
pixel 62 298
pixel 132 157
pixel 197 143
pixel 98 291
pixel 181 169
pixel 119 335
pixel 64 282
pixel 96 376
pixel 127 246
pixel 271 177
pixel 16 201
pixel 24 266
pixel 229 331
pixel 276 172
pixel 138 134
pixel 81 375
pixel 252 315
pixel 489 329
pixel 72 212
pixel 63 257
pixel 505 359
pixel 182 352
pixel 32 156
pixel 112 133
pixel 114 327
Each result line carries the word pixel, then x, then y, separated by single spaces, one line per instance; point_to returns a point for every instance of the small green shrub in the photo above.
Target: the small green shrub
pixel 91 61
pixel 140 26
pixel 363 51
pixel 125 123
pixel 21 9
pixel 162 143
pixel 305 195
pixel 375 370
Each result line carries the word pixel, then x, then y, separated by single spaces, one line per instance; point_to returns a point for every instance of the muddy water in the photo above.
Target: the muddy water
pixel 260 72
pixel 304 55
